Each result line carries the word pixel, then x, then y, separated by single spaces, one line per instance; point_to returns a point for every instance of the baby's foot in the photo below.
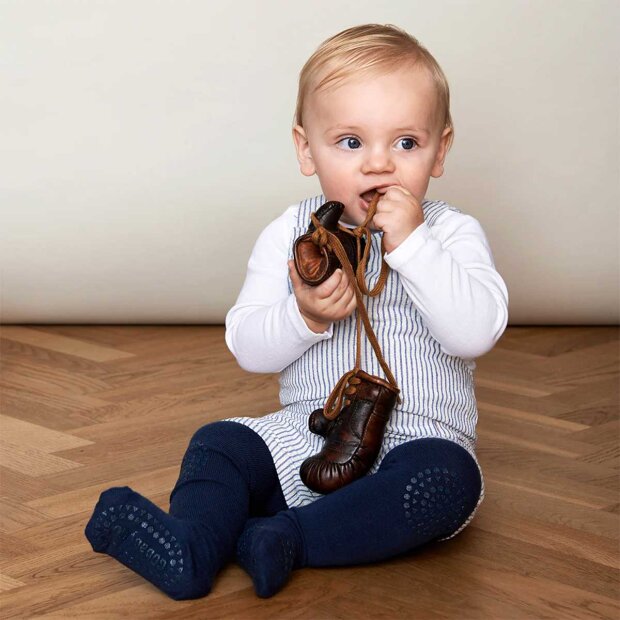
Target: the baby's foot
pixel 175 555
pixel 268 550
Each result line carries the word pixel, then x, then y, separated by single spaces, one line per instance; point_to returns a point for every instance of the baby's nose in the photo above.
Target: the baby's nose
pixel 378 160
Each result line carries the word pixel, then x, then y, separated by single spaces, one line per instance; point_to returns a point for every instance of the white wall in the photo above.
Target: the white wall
pixel 144 144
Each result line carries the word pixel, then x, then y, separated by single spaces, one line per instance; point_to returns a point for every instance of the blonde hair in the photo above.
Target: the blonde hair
pixel 366 49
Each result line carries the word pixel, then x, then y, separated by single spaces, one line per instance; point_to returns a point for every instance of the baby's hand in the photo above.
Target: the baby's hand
pixel 321 305
pixel 398 215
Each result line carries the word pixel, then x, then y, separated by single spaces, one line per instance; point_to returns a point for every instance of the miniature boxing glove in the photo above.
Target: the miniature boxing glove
pixel 315 263
pixel 353 439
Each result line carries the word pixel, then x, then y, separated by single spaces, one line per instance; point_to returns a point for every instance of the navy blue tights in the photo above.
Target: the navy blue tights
pixel 228 502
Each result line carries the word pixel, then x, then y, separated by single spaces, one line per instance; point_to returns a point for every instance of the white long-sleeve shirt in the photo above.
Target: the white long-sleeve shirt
pixel 447 271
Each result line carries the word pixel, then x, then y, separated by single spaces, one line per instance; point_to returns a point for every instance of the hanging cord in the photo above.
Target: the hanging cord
pixel 323 237
pixel 320 238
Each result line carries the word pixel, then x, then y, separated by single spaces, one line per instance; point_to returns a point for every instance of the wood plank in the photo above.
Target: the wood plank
pixel 8 583
pixel 15 516
pixel 84 499
pixel 38 437
pixel 62 344
pixel 32 461
pixel 513 387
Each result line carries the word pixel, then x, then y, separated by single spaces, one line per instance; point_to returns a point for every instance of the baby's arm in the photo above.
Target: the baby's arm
pixel 449 274
pixel 268 328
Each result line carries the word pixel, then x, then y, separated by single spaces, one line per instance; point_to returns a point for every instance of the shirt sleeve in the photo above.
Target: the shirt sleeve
pixel 448 272
pixel 264 329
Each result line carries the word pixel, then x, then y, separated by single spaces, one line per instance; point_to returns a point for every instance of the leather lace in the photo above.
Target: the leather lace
pixel 325 238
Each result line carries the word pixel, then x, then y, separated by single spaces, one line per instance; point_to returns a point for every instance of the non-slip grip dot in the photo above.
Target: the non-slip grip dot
pixel 434 502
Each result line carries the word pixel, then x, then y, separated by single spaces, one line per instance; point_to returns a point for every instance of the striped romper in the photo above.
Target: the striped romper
pixel 437 389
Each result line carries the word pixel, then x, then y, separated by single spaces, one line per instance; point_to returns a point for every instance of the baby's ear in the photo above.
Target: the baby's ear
pixel 304 156
pixel 442 151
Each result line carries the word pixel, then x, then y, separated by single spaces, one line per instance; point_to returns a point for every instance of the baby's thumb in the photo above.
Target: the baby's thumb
pixel 292 271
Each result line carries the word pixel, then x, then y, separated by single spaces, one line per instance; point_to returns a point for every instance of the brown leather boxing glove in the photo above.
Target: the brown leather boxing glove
pixel 353 439
pixel 314 263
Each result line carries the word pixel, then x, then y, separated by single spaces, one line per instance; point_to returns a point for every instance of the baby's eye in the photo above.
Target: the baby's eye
pixel 349 143
pixel 407 144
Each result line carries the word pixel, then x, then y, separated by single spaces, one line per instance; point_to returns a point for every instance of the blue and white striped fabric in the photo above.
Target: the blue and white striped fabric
pixel 437 389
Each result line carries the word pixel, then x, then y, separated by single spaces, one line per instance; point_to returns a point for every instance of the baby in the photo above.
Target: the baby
pixel 372 116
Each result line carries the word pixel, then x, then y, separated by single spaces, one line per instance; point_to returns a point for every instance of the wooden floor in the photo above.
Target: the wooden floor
pixel 88 407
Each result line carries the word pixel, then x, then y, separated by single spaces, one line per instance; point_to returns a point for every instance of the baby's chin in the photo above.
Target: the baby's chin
pixel 355 220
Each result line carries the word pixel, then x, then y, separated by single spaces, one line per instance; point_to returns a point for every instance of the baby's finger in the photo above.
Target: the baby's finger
pixel 295 277
pixel 342 297
pixel 378 222
pixel 394 191
pixel 351 305
pixel 345 305
pixel 327 288
pixel 385 206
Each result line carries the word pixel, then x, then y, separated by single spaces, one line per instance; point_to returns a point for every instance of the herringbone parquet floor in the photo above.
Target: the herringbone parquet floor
pixel 88 407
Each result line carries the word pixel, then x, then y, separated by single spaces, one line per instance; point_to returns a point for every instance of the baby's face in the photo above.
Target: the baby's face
pixel 370 133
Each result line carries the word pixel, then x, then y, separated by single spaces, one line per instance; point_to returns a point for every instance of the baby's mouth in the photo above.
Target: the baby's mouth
pixel 368 196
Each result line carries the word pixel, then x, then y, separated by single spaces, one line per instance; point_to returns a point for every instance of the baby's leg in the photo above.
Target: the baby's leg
pixel 226 470
pixel 423 490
